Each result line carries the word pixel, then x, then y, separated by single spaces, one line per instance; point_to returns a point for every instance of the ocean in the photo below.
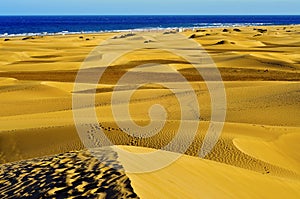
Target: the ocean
pixel 41 25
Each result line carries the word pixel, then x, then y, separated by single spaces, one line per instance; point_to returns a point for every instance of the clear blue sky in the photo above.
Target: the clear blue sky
pixel 120 7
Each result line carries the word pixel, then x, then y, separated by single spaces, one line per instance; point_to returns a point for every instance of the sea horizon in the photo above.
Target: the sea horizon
pixel 24 25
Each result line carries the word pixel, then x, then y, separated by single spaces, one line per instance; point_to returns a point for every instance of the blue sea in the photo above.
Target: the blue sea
pixel 35 25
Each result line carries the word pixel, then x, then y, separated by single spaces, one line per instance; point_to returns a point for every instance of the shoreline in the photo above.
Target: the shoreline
pixel 178 29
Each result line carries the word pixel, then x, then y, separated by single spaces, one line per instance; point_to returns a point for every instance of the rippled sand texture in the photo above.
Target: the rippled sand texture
pixel 255 157
pixel 69 175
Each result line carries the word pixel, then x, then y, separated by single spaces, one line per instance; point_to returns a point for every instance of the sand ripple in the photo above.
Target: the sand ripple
pixel 68 175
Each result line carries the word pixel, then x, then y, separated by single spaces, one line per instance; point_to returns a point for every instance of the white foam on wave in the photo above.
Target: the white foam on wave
pixel 147 29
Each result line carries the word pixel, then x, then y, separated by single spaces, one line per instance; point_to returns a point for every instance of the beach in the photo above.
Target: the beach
pixel 256 155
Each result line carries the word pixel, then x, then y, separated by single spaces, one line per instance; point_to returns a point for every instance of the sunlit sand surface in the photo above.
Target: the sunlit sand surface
pixel 255 157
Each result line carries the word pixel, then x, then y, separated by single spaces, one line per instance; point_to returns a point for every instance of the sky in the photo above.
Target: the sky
pixel 149 7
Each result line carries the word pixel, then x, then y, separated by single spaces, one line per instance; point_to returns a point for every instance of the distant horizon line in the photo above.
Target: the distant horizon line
pixel 149 14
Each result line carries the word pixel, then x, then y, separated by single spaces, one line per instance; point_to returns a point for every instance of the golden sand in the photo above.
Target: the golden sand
pixel 256 155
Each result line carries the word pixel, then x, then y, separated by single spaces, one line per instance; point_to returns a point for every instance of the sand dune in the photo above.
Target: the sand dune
pixel 255 157
pixel 190 177
pixel 57 176
pixel 279 152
